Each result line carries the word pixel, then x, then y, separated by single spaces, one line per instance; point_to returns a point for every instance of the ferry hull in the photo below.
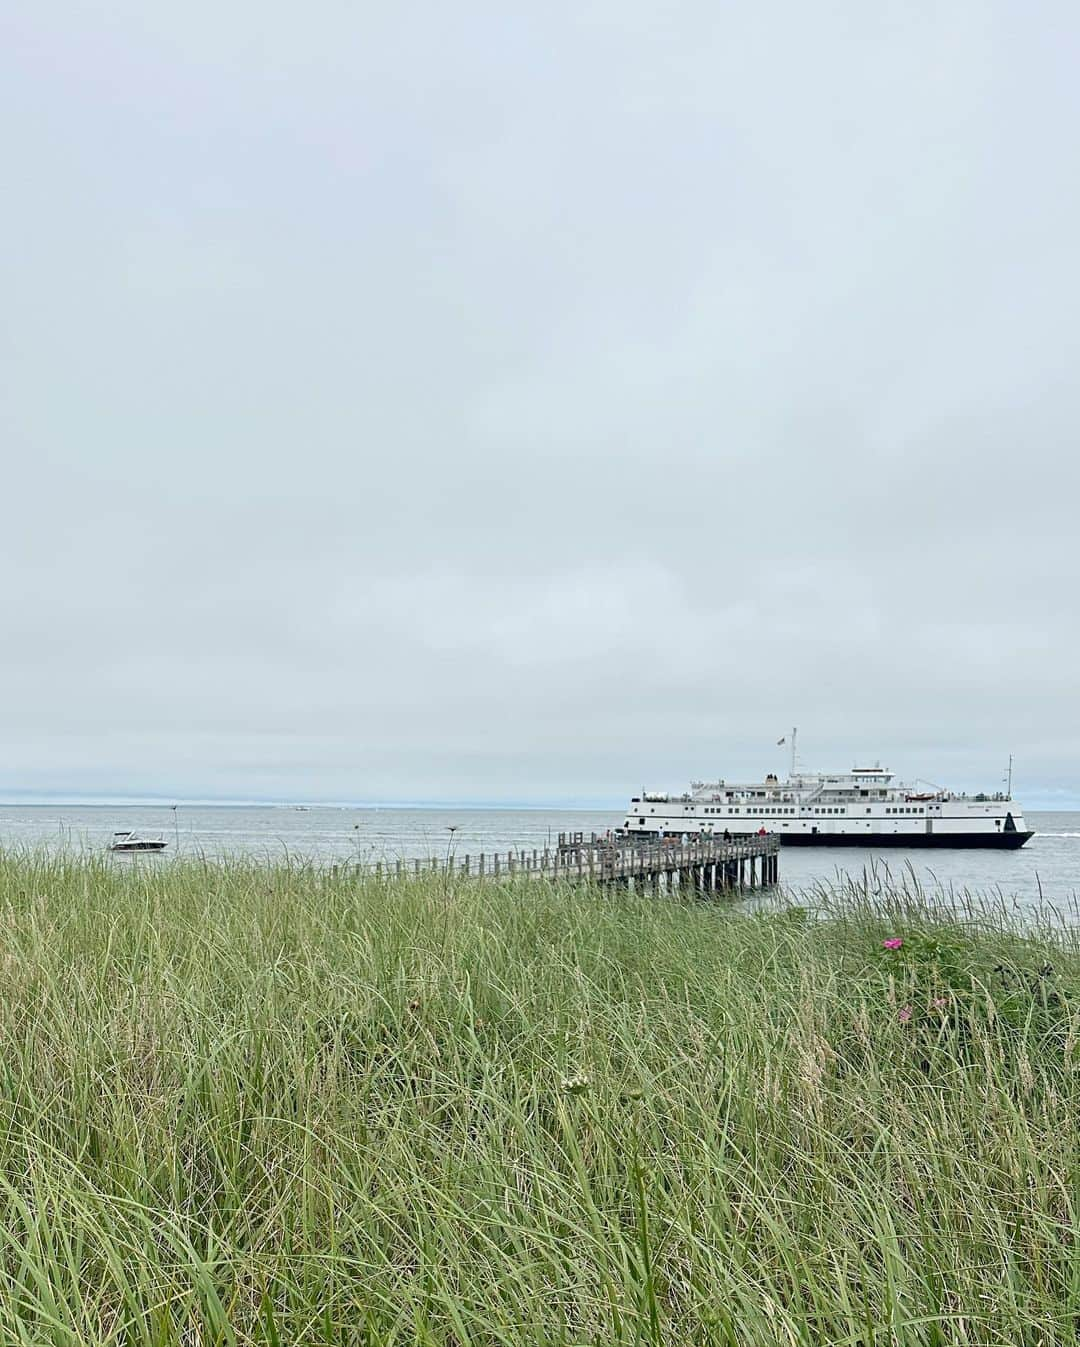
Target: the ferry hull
pixel 1011 841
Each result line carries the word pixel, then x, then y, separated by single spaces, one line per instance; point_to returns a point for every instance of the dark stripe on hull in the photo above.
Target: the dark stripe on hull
pixel 940 841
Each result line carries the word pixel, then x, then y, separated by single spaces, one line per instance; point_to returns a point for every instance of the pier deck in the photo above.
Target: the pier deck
pixel 708 864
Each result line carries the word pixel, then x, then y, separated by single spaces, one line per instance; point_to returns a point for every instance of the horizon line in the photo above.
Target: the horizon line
pixel 1043 801
pixel 266 802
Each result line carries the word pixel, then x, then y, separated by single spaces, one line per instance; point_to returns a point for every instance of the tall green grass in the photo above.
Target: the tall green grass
pixel 253 1104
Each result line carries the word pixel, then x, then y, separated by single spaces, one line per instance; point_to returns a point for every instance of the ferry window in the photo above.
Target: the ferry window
pixel 868 809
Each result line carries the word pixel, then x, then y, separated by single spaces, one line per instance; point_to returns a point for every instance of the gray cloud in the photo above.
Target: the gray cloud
pixel 453 403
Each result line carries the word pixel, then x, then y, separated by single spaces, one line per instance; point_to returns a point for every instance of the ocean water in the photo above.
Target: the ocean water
pixel 1048 867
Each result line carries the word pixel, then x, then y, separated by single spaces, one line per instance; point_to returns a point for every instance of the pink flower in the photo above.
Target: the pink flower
pixel 904 1015
pixel 939 1003
pixel 894 943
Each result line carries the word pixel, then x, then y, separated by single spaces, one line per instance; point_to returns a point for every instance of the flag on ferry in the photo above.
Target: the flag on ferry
pixel 781 741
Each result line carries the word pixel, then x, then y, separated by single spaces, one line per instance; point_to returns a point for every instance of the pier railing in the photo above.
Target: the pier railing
pixel 706 862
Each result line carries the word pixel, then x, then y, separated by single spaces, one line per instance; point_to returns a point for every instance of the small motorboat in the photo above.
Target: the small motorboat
pixel 129 841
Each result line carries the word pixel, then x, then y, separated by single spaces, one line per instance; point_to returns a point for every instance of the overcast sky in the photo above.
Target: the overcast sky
pixel 437 402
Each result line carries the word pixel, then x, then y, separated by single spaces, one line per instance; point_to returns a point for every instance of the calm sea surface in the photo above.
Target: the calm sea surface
pixel 1050 860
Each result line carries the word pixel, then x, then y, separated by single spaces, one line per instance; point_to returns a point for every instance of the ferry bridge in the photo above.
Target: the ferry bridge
pixel 704 862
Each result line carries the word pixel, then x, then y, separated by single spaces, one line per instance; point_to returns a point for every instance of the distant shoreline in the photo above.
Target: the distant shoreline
pixel 159 802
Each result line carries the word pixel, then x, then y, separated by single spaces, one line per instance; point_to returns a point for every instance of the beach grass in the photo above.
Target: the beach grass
pixel 247 1103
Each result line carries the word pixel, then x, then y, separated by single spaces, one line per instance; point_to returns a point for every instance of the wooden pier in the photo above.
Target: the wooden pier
pixel 704 863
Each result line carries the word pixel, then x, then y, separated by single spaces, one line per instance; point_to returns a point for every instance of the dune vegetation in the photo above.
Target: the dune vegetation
pixel 243 1103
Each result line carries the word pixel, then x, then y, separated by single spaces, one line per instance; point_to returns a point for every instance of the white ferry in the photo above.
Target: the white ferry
pixel 862 807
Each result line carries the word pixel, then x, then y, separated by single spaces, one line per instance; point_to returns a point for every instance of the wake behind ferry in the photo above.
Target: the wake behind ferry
pixel 861 807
